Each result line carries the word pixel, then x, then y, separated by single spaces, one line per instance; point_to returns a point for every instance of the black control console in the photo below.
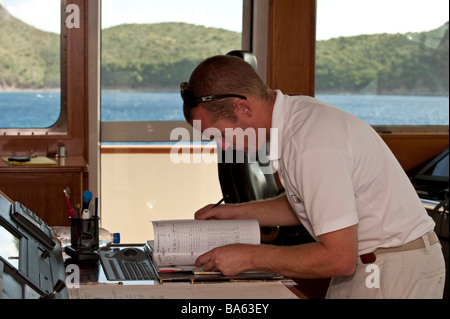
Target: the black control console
pixel 31 263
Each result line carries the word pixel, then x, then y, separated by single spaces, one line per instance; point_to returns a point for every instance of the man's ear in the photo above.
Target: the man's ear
pixel 243 108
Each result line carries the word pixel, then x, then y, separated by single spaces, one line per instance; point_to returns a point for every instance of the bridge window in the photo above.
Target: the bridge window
pixel 385 61
pixel 30 72
pixel 148 49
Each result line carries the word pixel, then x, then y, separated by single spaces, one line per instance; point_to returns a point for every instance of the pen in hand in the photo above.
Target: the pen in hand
pixel 220 201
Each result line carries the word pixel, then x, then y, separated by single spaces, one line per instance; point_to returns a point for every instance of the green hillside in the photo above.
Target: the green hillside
pixel 413 63
pixel 160 56
pixel 141 56
pixel 29 58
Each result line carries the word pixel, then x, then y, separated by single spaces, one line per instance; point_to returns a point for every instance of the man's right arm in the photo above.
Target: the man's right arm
pixel 269 212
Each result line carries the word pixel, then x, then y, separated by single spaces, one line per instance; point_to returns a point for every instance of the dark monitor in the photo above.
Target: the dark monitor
pixel 432 181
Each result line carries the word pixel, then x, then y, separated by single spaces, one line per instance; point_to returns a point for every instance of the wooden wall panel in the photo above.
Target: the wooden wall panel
pixel 291 46
pixel 41 188
pixel 415 150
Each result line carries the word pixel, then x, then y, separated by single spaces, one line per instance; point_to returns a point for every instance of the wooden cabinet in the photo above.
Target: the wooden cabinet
pixel 41 188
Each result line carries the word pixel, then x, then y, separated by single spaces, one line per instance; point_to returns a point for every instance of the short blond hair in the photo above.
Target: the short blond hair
pixel 224 74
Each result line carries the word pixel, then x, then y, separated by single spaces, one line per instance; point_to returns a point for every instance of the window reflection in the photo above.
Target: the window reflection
pixel 9 247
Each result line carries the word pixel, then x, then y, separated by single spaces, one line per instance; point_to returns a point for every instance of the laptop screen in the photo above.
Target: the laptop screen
pixel 9 247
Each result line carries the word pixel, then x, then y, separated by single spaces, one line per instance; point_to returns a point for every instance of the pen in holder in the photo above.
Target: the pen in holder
pixel 84 233
pixel 84 239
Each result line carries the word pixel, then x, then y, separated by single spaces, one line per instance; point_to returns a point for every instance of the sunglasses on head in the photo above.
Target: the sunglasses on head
pixel 192 101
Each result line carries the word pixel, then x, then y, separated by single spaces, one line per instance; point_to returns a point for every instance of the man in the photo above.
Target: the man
pixel 341 181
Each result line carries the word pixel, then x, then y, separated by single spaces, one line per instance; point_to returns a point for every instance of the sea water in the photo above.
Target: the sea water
pixel 42 109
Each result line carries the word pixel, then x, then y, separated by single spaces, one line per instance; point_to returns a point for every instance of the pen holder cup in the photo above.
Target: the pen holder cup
pixel 84 234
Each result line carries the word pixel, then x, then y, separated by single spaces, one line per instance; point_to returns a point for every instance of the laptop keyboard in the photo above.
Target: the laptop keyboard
pixel 132 270
pixel 119 267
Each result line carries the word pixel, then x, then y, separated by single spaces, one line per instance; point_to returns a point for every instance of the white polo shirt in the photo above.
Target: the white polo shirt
pixel 338 172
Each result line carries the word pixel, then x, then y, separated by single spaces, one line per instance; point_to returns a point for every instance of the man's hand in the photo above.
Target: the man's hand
pixel 230 260
pixel 211 212
pixel 271 212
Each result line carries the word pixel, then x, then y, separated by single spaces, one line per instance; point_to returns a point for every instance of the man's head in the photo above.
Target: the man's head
pixel 224 92
pixel 222 75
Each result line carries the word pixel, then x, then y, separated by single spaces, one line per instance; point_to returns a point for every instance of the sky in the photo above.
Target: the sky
pixel 335 17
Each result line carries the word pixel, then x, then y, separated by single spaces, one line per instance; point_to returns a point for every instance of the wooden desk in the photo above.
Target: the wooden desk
pixel 40 188
pixel 94 281
pixel 94 285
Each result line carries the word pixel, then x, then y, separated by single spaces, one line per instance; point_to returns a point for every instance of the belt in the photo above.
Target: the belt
pixel 412 245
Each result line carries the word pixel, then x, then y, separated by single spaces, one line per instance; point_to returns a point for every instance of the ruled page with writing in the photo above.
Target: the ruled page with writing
pixel 181 242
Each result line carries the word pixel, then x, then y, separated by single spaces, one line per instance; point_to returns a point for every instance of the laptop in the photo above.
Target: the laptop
pixel 126 263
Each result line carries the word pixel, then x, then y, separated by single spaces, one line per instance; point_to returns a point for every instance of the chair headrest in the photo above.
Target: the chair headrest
pixel 247 56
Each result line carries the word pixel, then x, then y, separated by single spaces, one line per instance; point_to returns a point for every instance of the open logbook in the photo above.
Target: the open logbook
pixel 176 246
pixel 181 242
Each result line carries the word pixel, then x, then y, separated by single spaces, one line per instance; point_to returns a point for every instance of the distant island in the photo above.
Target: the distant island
pixel 157 57
pixel 404 64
